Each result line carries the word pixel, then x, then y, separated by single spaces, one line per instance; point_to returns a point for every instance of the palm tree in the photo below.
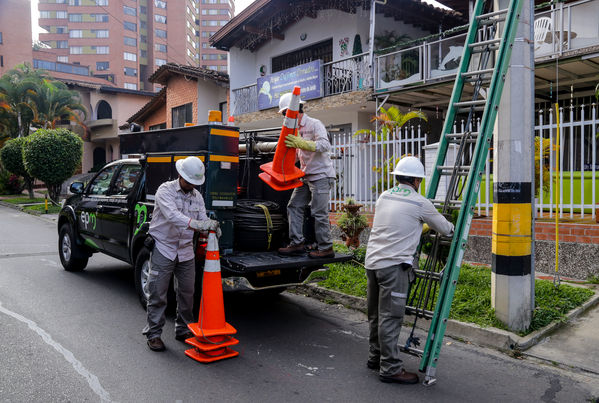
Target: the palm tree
pixel 389 121
pixel 54 102
pixel 16 88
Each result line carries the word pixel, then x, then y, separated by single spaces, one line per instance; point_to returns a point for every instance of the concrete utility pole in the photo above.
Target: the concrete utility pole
pixel 513 262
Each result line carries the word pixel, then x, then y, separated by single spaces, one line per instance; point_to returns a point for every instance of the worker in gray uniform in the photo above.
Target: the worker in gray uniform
pixel 313 151
pixel 178 211
pixel 398 224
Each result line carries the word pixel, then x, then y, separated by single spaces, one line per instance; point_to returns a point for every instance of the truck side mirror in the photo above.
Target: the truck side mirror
pixel 76 187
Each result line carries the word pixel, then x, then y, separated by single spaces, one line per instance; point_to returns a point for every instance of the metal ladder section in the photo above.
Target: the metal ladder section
pixel 477 90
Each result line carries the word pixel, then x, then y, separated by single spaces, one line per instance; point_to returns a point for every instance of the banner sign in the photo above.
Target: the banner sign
pixel 272 86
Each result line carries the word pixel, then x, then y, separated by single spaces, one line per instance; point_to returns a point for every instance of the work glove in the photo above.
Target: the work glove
pixel 425 228
pixel 206 225
pixel 294 141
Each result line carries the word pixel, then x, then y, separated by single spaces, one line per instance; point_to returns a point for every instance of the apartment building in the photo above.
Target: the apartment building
pixel 125 41
pixel 15 34
pixel 213 15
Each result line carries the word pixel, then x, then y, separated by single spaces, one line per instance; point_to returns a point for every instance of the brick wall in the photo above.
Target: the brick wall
pixel 159 116
pixel 180 91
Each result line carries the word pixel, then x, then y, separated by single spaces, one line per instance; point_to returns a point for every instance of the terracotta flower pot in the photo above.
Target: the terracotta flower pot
pixel 352 208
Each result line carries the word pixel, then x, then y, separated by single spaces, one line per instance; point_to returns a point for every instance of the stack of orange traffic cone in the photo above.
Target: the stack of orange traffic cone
pixel 281 173
pixel 212 334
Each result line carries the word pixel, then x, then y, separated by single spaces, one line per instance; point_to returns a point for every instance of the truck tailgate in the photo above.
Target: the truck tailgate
pixel 244 262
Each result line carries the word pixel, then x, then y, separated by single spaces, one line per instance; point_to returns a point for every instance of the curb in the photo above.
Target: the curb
pixel 492 337
pixel 45 217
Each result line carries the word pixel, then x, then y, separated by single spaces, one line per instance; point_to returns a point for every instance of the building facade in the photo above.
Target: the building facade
pixel 15 34
pixel 213 15
pixel 125 41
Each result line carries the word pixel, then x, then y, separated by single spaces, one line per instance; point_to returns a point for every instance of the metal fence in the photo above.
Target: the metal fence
pixel 362 164
pixel 345 75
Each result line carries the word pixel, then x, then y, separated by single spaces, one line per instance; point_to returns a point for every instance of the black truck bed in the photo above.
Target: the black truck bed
pixel 244 262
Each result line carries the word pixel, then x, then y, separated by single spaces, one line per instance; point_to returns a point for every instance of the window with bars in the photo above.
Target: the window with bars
pixel 322 50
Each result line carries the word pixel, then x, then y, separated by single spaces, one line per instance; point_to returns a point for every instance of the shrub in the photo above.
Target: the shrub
pixel 52 156
pixel 12 159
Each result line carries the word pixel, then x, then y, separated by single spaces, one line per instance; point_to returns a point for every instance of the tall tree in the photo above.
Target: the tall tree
pixel 54 102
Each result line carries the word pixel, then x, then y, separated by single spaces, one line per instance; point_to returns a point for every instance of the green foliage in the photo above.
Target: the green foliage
pixel 347 278
pixel 52 156
pixel 350 223
pixel 53 102
pixel 41 208
pixel 594 279
pixel 542 157
pixel 9 183
pixel 11 156
pixel 23 200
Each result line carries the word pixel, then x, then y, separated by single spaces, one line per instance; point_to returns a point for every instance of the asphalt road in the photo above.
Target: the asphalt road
pixel 77 337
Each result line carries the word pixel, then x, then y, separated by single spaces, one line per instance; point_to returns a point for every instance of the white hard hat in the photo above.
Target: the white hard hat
pixel 409 166
pixel 285 100
pixel 191 169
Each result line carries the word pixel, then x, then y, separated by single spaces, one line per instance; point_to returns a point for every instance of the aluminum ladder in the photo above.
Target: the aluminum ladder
pixel 477 91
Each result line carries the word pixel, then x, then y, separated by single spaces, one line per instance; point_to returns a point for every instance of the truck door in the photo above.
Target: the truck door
pixel 90 225
pixel 117 212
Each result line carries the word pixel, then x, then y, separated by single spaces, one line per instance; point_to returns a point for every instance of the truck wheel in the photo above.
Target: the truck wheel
pixel 68 249
pixel 142 272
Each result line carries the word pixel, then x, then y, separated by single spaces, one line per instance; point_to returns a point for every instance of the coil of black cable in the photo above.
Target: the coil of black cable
pixel 252 229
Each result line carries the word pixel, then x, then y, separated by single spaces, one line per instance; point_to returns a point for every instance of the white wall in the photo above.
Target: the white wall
pixel 210 96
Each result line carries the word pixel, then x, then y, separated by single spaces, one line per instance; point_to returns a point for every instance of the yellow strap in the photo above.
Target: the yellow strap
pixel 268 223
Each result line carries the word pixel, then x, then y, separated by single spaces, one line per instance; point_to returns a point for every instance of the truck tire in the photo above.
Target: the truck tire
pixel 142 271
pixel 68 249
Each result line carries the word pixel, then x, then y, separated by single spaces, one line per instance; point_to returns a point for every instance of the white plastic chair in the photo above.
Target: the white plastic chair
pixel 542 27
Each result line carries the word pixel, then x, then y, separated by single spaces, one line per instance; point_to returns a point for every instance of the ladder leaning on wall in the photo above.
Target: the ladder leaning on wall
pixel 477 90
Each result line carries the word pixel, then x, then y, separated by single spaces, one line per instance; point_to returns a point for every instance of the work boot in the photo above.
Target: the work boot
pixel 292 250
pixel 401 377
pixel 184 336
pixel 321 254
pixel 156 344
pixel 373 364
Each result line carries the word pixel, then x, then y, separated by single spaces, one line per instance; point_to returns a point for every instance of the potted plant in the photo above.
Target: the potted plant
pixel 352 223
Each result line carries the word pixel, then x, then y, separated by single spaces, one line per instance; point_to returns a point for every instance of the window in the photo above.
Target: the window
pixel 44 64
pixel 130 11
pixel 61 30
pixel 61 14
pixel 101 50
pixel 160 62
pixel 160 4
pixel 62 44
pixel 76 50
pixel 0 37
pixel 130 56
pixel 101 17
pixel 189 53
pixel 181 115
pixel 129 71
pixel 101 2
pixel 207 34
pixel 125 179
pixel 143 25
pixel 45 14
pixel 76 33
pixel 62 59
pixel 74 2
pixel 102 66
pixel 161 33
pixel 75 17
pixel 143 9
pixel 101 183
pixel 130 86
pixel 100 33
pixel 322 50
pixel 104 110
pixel 143 53
pixel 209 23
pixel 159 47
pixel 159 126
pixel 130 26
pixel 143 38
pixel 129 41
pixel 160 18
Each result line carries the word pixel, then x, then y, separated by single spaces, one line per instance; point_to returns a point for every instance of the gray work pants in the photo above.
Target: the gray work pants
pixel 317 194
pixel 387 294
pixel 161 271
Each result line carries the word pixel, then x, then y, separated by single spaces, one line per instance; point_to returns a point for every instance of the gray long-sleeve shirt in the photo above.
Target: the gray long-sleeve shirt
pixel 316 164
pixel 173 210
pixel 398 218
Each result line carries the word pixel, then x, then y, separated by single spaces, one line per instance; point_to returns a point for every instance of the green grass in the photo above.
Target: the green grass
pixel 40 208
pixel 472 298
pixel 593 279
pixel 23 200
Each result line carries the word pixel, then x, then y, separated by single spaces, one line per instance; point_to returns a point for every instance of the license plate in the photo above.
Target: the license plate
pixel 268 273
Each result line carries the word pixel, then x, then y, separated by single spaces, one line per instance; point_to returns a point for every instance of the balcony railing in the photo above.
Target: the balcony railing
pixel 346 75
pixel 575 23
pixel 245 99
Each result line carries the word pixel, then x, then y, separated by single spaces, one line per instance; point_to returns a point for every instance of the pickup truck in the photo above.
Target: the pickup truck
pixel 111 214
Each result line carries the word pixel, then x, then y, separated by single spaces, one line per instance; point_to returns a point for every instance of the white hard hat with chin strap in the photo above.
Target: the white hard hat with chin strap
pixel 285 100
pixel 191 169
pixel 409 166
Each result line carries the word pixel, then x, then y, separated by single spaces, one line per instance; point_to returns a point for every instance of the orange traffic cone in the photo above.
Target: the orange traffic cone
pixel 281 173
pixel 211 342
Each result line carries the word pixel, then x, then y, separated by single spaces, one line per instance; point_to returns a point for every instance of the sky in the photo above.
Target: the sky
pixel 240 5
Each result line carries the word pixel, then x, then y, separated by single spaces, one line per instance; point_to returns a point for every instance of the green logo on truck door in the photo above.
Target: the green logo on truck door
pixel 141 211
pixel 88 219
